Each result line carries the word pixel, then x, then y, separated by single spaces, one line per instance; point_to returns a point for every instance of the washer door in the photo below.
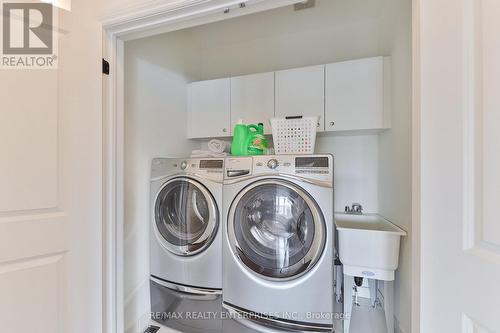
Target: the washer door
pixel 276 229
pixel 186 216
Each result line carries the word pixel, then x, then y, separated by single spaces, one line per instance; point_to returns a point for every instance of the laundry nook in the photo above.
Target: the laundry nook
pixel 267 171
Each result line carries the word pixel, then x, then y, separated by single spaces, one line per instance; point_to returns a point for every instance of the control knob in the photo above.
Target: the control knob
pixel 272 164
pixel 184 165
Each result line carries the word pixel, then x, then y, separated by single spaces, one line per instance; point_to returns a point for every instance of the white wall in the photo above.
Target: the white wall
pixel 356 169
pixel 334 30
pixel 395 153
pixel 157 70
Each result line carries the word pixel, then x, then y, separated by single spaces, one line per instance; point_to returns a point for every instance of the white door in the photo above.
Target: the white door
pixel 50 166
pixel 209 108
pixel 354 95
pixel 252 99
pixel 301 92
pixel 460 165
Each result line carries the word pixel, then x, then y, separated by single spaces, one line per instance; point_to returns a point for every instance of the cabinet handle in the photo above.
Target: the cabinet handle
pixel 318 124
pixel 332 123
pixel 224 130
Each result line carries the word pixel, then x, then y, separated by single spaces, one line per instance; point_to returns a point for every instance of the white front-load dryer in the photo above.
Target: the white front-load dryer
pixel 186 242
pixel 278 242
pixel 186 200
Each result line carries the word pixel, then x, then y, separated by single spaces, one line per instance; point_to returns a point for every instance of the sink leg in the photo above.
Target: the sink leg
pixel 348 294
pixel 372 284
pixel 389 305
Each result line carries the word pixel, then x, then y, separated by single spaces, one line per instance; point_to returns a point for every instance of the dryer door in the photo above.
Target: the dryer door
pixel 186 216
pixel 276 229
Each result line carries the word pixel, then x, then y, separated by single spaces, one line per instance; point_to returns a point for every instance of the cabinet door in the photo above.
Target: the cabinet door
pixel 301 92
pixel 209 109
pixel 354 95
pixel 252 99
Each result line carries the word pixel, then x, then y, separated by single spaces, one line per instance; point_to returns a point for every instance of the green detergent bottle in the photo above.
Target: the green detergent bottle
pixel 248 140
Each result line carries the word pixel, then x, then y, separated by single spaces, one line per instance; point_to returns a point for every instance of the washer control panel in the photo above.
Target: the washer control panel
pixel 272 163
pixel 309 166
pixel 317 167
pixel 238 167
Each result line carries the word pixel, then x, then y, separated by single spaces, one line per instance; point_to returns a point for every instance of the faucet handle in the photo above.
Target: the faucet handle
pixel 357 208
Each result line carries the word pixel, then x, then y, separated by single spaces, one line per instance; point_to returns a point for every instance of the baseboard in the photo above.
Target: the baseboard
pixel 140 325
pixel 137 309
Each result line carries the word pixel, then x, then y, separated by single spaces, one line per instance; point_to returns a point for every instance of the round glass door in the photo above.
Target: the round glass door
pixel 186 216
pixel 276 229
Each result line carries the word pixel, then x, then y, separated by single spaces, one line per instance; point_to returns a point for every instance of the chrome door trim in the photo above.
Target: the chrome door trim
pixel 208 235
pixel 327 184
pixel 313 254
pixel 186 289
pixel 254 320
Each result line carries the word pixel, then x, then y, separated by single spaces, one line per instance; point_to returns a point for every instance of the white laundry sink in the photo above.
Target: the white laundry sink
pixel 368 245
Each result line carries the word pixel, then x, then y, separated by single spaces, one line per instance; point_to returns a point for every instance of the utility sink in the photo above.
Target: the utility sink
pixel 368 245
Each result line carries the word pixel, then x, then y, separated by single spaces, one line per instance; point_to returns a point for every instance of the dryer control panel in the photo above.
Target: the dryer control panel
pixel 210 168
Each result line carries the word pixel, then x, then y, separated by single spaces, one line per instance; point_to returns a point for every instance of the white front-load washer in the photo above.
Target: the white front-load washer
pixel 186 241
pixel 278 242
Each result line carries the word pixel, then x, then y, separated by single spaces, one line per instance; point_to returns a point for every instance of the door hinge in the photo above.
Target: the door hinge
pixel 105 67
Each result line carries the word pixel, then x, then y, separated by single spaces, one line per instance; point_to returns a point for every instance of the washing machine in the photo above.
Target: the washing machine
pixel 278 242
pixel 186 242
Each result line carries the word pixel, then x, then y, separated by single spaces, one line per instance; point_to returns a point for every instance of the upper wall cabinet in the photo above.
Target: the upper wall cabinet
pixel 347 96
pixel 354 95
pixel 301 91
pixel 209 108
pixel 252 99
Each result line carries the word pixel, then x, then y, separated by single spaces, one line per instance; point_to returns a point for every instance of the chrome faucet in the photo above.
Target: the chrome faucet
pixel 355 209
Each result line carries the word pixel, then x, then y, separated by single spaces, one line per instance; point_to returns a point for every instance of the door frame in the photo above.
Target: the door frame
pixel 119 25
pixel 124 23
pixel 416 222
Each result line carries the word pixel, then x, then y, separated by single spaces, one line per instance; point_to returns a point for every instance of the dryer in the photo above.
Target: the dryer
pixel 186 241
pixel 278 241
